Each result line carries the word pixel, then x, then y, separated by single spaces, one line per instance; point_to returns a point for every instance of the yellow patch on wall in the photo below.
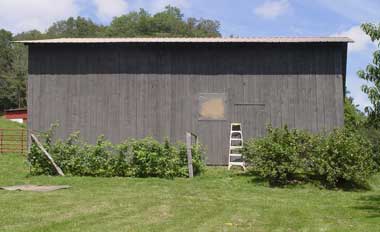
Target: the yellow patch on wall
pixel 212 108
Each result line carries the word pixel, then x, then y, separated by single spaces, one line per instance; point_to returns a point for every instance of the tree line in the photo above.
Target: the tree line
pixel 13 57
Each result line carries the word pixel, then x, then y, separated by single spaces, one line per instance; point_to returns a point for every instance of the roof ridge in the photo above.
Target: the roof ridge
pixel 273 39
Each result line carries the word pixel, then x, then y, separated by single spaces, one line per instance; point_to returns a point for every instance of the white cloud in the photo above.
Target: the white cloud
pixel 159 5
pixel 362 42
pixel 360 11
pixel 107 9
pixel 272 9
pixel 23 15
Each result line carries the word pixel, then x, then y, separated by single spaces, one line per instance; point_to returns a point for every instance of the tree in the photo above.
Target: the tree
pixel 6 59
pixel 131 25
pixel 207 28
pixel 372 75
pixel 30 35
pixel 353 117
pixel 13 70
pixel 74 28
pixel 168 23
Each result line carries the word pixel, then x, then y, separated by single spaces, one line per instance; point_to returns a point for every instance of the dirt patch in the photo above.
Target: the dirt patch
pixel 35 188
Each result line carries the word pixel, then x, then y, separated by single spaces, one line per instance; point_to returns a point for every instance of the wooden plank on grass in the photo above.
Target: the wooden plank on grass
pixel 58 169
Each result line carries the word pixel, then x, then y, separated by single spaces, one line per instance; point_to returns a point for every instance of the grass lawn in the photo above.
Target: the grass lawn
pixel 7 124
pixel 217 201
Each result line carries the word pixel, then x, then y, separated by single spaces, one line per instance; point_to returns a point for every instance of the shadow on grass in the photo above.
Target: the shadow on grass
pixel 370 204
pixel 301 180
pixel 354 187
pixel 251 177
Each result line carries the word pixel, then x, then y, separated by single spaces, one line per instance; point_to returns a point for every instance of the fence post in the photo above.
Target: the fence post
pixel 22 141
pixel 1 141
pixel 189 156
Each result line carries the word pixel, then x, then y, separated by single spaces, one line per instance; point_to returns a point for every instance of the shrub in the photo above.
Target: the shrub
pixel 38 162
pixel 197 153
pixel 337 159
pixel 373 135
pixel 344 157
pixel 136 158
pixel 281 156
pixel 150 158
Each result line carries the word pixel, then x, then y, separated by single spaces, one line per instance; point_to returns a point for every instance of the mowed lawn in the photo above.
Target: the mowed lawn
pixel 217 201
pixel 7 124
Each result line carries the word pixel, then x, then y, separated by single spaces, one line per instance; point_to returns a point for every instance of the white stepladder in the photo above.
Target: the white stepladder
pixel 235 157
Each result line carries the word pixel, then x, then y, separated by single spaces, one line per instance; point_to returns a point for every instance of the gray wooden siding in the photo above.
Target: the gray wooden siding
pixel 132 91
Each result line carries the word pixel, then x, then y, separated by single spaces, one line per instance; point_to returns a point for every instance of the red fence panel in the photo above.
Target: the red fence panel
pixel 13 141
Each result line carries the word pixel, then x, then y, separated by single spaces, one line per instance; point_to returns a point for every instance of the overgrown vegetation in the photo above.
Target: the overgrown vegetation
pixel 285 156
pixel 132 158
pixel 357 122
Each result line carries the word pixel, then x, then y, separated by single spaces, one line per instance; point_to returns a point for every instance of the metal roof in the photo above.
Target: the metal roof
pixel 193 40
pixel 16 109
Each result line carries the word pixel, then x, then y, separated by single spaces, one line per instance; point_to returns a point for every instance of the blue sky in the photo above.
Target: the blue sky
pixel 244 18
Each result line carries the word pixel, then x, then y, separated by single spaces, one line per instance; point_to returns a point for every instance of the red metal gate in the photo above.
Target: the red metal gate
pixel 13 141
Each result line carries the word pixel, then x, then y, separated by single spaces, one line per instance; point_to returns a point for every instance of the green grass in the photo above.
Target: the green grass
pixel 217 201
pixel 8 124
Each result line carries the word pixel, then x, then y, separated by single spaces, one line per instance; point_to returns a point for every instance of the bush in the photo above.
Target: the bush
pixel 373 135
pixel 289 156
pixel 344 158
pixel 134 158
pixel 281 156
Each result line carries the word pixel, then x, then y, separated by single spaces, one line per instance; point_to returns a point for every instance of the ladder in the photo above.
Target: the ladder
pixel 235 157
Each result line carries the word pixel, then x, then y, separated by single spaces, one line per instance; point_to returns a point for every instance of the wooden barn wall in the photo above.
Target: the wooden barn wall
pixel 144 90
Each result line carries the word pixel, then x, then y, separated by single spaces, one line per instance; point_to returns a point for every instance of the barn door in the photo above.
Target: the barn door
pixel 253 119
pixel 213 126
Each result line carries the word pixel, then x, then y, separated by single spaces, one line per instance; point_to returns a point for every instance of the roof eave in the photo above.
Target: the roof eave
pixel 190 40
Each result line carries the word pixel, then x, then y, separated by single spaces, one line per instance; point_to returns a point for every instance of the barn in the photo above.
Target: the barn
pixel 163 87
pixel 17 115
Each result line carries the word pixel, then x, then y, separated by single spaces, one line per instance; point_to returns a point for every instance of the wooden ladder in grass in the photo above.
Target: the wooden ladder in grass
pixel 235 157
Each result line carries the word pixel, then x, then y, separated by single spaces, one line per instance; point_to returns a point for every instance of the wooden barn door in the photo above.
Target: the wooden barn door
pixel 252 117
pixel 213 126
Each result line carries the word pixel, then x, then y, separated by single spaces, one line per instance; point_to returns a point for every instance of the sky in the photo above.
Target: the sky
pixel 243 18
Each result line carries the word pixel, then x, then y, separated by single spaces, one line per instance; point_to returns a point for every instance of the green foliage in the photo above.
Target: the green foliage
pixel 353 118
pixel 131 25
pixel 343 157
pixel 372 75
pixel 135 158
pixel 150 158
pixel 12 73
pixel 372 134
pixel 281 156
pixel 287 156
pixel 357 121
pixel 75 27
pixel 30 35
pixel 168 23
